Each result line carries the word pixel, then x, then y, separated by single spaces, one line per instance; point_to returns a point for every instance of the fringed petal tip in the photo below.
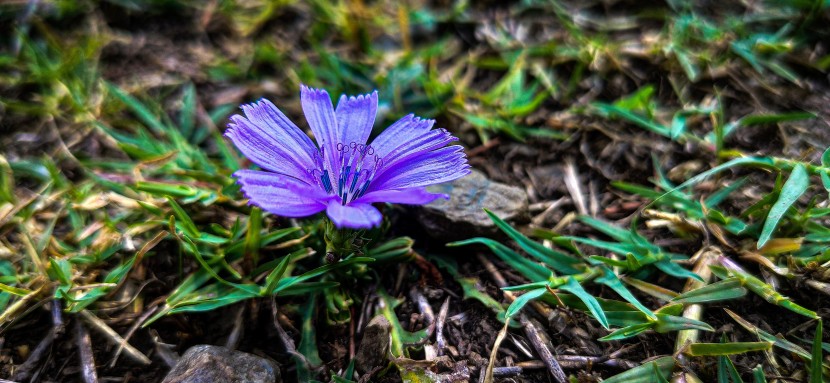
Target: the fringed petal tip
pixel 359 98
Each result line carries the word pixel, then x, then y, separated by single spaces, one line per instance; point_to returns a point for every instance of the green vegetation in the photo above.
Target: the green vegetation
pixel 699 134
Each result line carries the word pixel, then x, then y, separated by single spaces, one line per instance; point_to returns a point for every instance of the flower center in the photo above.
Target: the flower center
pixel 356 165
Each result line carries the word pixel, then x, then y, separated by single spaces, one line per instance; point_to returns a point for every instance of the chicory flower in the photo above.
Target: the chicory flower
pixel 342 174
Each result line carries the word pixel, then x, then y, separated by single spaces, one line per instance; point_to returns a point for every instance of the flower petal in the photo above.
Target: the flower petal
pixel 402 131
pixel 411 196
pixel 321 119
pixel 355 117
pixel 441 165
pixel 416 146
pixel 353 215
pixel 271 140
pixel 280 194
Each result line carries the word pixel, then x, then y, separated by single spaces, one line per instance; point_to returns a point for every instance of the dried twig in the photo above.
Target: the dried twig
pixel 236 333
pixel 87 361
pixel 164 350
pixel 130 333
pixel 425 309
pixel 24 372
pixel 574 189
pixel 439 326
pixel 286 340
pixel 114 337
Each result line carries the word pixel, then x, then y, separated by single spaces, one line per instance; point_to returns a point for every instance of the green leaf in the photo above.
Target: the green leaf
pixel 649 372
pixel 718 349
pixel 730 288
pixel 530 269
pixel 758 374
pixel 764 162
pixel 795 186
pixel 188 226
pixel 558 261
pixel 643 122
pixel 611 280
pixel 308 334
pixel 144 114
pixel 575 288
pixel 628 332
pixel 815 363
pixel 522 300
pixel 274 276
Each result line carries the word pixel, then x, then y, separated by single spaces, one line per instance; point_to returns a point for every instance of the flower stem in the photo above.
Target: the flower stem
pixel 340 243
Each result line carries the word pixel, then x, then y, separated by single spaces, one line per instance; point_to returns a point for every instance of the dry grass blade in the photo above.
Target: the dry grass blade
pixel 488 374
pixel 114 337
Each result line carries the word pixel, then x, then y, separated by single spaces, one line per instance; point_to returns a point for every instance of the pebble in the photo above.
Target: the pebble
pixel 462 216
pixel 214 364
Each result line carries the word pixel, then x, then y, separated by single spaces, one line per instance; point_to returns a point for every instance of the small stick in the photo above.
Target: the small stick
pixel 130 333
pixel 352 346
pixel 574 188
pixel 88 372
pixel 425 309
pixel 103 328
pixel 236 333
pixel 503 372
pixel 24 372
pixel 439 326
pixel 286 340
pixel 544 352
pixel 170 358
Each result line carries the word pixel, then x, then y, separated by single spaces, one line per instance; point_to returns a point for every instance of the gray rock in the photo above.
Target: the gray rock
pixel 462 216
pixel 214 364
pixel 374 347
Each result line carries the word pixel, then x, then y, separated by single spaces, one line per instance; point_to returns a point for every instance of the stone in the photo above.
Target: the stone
pixel 213 364
pixel 373 351
pixel 462 216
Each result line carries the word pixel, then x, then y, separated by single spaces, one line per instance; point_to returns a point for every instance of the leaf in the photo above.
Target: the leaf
pixel 628 332
pixel 530 269
pixel 764 162
pixel 718 349
pixel 188 226
pixel 643 122
pixel 646 373
pixel 815 363
pixel 137 107
pixel 308 336
pixel 611 280
pixel 575 288
pixel 795 186
pixel 558 261
pixel 274 276
pixel 722 290
pixel 522 300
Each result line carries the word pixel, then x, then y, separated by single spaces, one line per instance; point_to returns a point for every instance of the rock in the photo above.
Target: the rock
pixel 462 216
pixel 374 347
pixel 214 364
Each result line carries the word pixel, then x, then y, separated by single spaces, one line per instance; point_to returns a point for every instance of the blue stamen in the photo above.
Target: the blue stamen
pixel 363 189
pixel 354 182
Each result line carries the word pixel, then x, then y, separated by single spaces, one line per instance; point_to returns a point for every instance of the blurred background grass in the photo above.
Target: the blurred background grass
pixel 111 114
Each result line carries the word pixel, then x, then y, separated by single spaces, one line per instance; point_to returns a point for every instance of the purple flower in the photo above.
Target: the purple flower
pixel 341 174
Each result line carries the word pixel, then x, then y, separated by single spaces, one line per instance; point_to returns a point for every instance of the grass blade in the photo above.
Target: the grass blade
pixel 795 186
